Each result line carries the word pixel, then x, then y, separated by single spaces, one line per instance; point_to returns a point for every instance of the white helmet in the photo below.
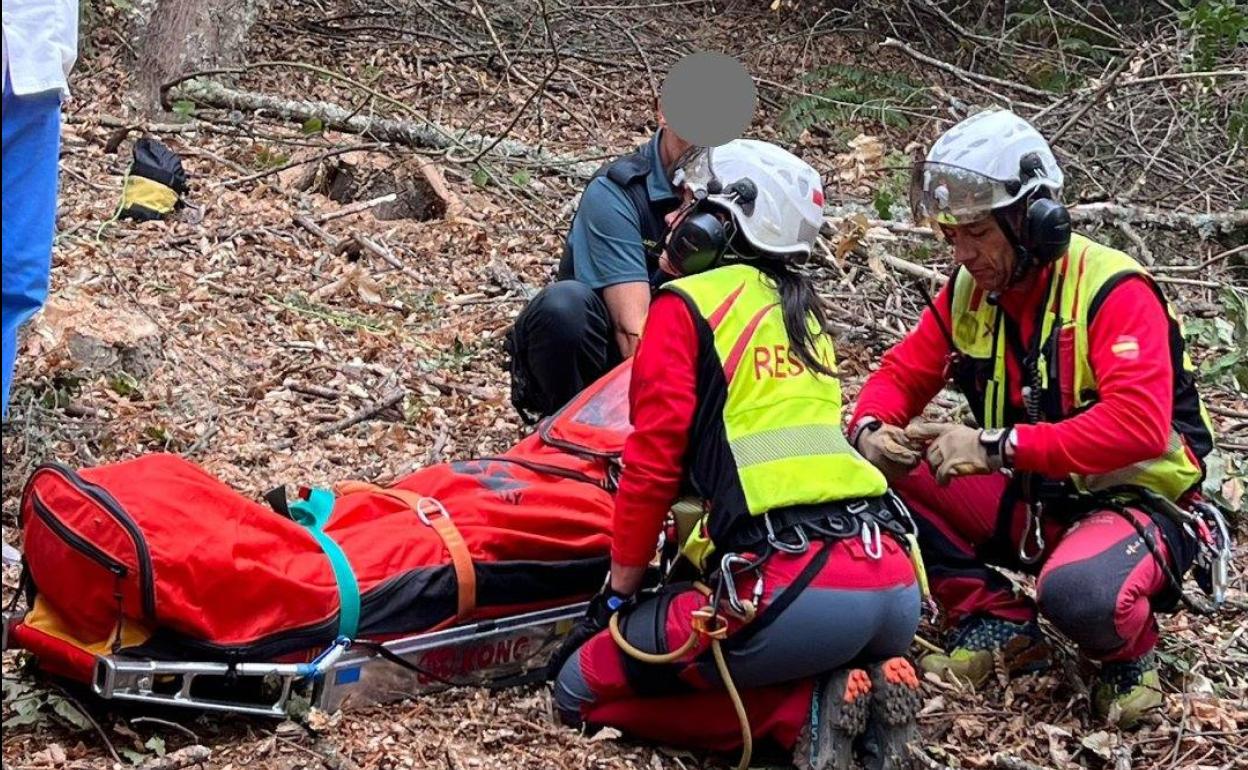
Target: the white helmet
pixel 774 197
pixel 989 161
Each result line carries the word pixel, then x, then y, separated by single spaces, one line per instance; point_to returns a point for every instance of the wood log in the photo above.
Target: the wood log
pixel 409 133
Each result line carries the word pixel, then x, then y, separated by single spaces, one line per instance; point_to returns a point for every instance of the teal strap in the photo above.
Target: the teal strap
pixel 313 514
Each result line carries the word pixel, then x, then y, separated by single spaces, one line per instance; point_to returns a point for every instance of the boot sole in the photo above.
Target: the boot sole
pixel 839 714
pixel 895 704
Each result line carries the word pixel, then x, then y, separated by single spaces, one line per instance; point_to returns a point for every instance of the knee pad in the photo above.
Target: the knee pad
pixel 1082 602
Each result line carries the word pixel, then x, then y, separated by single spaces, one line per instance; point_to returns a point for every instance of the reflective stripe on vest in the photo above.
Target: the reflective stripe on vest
pixel 781 420
pixel 1068 381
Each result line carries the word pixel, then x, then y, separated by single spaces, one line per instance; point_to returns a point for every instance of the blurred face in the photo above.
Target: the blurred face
pixel 671 146
pixel 983 250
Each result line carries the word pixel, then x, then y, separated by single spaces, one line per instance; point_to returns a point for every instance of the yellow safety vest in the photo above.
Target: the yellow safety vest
pixel 767 430
pixel 1079 282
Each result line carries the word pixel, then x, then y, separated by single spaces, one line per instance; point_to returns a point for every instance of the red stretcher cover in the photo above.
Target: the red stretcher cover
pixel 155 558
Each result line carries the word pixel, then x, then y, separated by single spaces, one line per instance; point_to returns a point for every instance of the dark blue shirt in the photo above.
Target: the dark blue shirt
pixel 606 233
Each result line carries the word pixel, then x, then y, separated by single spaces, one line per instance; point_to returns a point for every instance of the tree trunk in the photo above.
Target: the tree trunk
pixel 184 35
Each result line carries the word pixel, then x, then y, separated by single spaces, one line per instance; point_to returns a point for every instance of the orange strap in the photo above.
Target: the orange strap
pixel 432 513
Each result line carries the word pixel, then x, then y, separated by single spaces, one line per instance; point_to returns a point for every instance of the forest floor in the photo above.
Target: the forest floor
pixel 241 314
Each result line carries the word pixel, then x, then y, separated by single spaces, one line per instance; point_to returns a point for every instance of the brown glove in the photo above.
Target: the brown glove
pixel 952 450
pixel 887 448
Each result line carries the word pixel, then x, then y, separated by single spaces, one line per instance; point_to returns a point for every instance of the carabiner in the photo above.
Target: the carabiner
pixel 1032 527
pixel 1218 548
pixel 803 543
pixel 871 542
pixel 728 584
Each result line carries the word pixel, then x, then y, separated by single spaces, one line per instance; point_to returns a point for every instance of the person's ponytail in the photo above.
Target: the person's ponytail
pixel 799 303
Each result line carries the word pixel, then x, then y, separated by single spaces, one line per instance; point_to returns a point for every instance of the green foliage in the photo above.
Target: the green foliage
pixel 894 187
pixel 184 108
pixel 63 389
pixel 313 126
pixel 521 178
pixel 480 177
pixel 32 705
pixel 1066 34
pixel 266 159
pixel 1225 339
pixel 1216 27
pixel 1237 123
pixel 841 93
pixel 125 385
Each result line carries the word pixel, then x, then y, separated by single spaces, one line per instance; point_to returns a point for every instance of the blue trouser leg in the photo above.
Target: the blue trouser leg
pixel 32 137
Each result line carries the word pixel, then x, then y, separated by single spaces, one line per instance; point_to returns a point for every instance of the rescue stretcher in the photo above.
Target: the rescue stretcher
pixel 152 582
pixel 506 652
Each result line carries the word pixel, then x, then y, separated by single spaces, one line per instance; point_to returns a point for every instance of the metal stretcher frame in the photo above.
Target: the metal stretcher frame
pixel 503 652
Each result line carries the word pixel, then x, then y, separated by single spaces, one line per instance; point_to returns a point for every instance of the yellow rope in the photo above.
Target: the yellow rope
pixel 647 657
pixel 747 736
pixel 699 627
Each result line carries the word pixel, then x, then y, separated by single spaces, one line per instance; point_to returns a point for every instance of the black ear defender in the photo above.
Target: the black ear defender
pixel 700 238
pixel 697 243
pixel 1045 232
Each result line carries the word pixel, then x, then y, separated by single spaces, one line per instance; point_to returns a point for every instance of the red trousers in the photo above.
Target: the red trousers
pixel 828 607
pixel 1095 578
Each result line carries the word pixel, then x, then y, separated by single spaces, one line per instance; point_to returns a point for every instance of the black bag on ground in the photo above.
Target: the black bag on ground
pixel 155 184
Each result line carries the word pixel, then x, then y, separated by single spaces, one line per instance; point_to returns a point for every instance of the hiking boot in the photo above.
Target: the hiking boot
pixel 838 715
pixel 891 728
pixel 978 637
pixel 1126 690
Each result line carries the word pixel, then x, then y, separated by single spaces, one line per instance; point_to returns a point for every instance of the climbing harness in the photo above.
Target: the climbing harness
pixel 708 621
pixel 1205 525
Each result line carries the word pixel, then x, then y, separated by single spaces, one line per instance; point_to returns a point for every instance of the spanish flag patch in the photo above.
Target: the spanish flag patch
pixel 1126 346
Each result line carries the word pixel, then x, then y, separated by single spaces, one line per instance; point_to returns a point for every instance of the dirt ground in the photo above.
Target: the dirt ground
pixel 240 314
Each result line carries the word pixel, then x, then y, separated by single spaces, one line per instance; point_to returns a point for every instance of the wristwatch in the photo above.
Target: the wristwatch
pixel 616 600
pixel 993 442
pixel 865 425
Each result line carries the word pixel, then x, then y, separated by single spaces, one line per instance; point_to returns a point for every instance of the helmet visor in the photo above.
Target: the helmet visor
pixel 945 194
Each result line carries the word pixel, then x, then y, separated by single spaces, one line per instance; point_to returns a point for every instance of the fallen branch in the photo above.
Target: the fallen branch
pixel 1216 258
pixel 1098 213
pixel 317 230
pixel 166 723
pixel 965 74
pixel 320 391
pixel 356 208
pixel 213 94
pixel 1114 213
pixel 87 715
pixel 919 271
pixel 379 251
pixel 362 414
pixel 1101 90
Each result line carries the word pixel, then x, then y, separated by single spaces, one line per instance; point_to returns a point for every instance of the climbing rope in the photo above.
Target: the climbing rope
pixel 706 622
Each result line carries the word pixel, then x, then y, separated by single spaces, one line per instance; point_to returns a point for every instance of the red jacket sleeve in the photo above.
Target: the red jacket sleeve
pixel 662 398
pixel 1129 349
pixel 911 373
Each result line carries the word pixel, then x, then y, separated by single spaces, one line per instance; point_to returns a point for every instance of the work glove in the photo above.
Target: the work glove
pixel 952 450
pixel 887 448
pixel 597 615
